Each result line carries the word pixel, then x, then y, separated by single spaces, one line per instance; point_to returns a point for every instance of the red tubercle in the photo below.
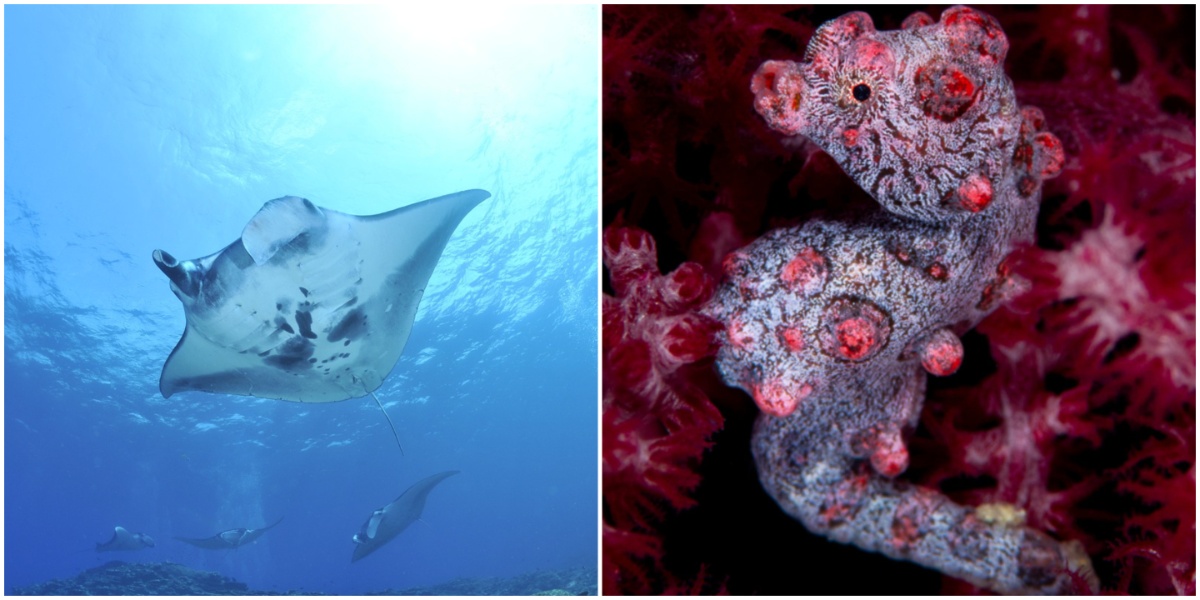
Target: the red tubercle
pixel 845 499
pixel 778 93
pixel 905 531
pixel 872 56
pixel 847 27
pixel 912 516
pixel 764 80
pixel 944 91
pixel 857 337
pixel 916 20
pixel 975 34
pixel 1050 157
pixel 885 447
pixel 854 329
pixel 942 353
pixel 791 337
pixel 737 333
pixel 806 273
pixel 890 458
pixel 1033 120
pixel 779 400
pixel 975 194
pixel 733 264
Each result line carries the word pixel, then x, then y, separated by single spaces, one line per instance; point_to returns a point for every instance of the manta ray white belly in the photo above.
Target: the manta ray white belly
pixel 309 304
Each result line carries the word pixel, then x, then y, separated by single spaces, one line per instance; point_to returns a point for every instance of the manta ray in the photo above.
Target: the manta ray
pixel 122 539
pixel 387 522
pixel 230 539
pixel 309 304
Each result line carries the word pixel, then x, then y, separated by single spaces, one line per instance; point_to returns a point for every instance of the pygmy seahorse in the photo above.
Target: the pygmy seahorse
pixel 831 325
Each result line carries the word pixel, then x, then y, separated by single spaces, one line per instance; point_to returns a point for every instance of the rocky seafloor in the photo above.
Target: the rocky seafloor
pixel 119 578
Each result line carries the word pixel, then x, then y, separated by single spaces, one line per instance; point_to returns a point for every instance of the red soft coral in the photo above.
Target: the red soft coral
pixel 656 424
pixel 1078 400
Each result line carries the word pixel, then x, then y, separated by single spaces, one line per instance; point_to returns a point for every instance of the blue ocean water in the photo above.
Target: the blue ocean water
pixel 133 128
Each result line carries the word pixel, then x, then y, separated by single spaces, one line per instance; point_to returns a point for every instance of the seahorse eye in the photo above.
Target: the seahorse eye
pixel 862 91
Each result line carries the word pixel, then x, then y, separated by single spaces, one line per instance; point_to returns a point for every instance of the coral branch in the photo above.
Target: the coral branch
pixel 656 424
pixel 1070 408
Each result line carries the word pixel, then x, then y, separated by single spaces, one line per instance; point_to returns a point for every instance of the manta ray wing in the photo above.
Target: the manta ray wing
pixel 123 539
pixel 229 539
pixel 396 517
pixel 119 535
pixel 253 534
pixel 309 304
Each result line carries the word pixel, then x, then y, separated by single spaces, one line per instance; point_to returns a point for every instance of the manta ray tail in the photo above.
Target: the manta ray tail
pixel 389 420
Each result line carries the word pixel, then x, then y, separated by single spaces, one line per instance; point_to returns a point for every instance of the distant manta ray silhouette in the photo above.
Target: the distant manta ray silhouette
pixel 309 304
pixel 124 540
pixel 230 539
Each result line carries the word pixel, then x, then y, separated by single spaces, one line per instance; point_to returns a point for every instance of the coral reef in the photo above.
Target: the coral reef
pixel 578 581
pixel 1079 389
pixel 117 578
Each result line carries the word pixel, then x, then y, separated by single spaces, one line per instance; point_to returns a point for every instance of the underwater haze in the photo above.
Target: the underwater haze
pixel 132 128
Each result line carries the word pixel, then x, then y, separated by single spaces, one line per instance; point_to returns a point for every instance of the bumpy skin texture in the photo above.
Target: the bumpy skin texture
pixel 831 326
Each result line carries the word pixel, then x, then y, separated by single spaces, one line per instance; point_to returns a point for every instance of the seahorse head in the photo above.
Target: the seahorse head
pixel 924 118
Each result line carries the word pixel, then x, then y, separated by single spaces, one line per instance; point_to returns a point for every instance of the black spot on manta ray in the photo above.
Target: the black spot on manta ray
pixel 351 327
pixel 304 321
pixel 293 355
pixel 211 382
pixel 282 323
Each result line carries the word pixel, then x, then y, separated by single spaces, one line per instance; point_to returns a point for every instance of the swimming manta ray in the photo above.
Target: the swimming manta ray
pixel 228 540
pixel 123 539
pixel 309 304
pixel 387 522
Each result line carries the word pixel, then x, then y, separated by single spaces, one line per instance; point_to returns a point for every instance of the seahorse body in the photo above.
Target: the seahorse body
pixel 831 325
